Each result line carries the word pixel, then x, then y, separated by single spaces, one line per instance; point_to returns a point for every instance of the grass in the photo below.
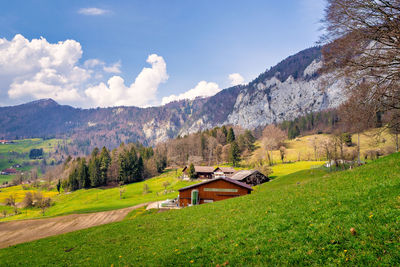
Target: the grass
pixel 301 149
pixel 299 219
pixel 93 200
pixel 288 168
pixel 96 199
pixel 18 153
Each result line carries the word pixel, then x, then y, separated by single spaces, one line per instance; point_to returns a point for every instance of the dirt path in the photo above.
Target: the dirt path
pixel 15 232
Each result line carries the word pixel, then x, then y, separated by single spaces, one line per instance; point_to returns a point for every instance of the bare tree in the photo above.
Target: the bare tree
pixel 282 152
pixel 363 45
pixel 357 117
pixel 314 143
pixel 273 138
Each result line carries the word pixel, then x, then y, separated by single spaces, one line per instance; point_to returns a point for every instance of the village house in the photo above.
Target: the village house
pixel 202 172
pixel 8 171
pixel 212 190
pixel 4 142
pixel 209 172
pixel 252 177
pixel 224 171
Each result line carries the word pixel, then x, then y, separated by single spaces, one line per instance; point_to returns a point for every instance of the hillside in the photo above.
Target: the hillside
pixel 18 153
pixel 291 88
pixel 300 219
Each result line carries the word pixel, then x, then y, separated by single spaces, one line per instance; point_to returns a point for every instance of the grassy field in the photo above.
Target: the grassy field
pixel 96 199
pixel 18 153
pixel 301 148
pixel 299 219
pixel 288 168
pixel 92 200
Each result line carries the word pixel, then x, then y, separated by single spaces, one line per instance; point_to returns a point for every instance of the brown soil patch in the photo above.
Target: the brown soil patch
pixel 15 232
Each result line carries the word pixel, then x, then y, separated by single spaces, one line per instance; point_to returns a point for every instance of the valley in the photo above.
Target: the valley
pixel 270 227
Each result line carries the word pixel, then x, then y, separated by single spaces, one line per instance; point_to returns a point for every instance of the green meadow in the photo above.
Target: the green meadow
pixel 310 217
pixel 100 199
pixel 18 153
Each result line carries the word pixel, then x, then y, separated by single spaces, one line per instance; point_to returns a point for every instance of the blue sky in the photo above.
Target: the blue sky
pixel 196 40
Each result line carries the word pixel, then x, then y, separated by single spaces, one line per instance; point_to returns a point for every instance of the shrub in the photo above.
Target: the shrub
pixel 10 201
pixel 28 200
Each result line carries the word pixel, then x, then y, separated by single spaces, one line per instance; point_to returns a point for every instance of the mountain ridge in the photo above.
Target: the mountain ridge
pixel 287 90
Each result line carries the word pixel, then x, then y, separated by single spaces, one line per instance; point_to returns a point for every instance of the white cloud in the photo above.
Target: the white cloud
pixel 114 68
pixel 94 62
pixel 236 79
pixel 202 89
pixel 38 69
pixel 92 11
pixel 140 93
pixel 91 63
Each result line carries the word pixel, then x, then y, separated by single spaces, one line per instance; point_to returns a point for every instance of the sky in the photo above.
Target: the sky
pixel 145 53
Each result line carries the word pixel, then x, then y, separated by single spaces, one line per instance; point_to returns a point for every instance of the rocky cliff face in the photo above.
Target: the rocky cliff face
pixel 286 91
pixel 272 101
pixel 290 89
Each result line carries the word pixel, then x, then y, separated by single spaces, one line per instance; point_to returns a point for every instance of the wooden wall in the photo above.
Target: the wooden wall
pixel 205 193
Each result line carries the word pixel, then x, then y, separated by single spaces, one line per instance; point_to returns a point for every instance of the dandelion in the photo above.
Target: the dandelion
pixel 191 261
pixel 345 250
pixel 370 216
pixel 120 256
pixel 176 249
pixel 236 245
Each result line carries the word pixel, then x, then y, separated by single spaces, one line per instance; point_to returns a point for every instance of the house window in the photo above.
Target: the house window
pixel 220 190
pixel 208 201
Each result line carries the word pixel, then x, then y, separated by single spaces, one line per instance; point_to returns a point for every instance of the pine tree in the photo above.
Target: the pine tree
pixel 231 136
pixel 224 131
pixel 94 172
pixel 59 186
pixel 234 155
pixel 192 171
pixel 105 161
pixel 82 175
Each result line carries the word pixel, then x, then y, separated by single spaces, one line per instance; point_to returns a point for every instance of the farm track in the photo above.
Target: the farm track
pixel 16 232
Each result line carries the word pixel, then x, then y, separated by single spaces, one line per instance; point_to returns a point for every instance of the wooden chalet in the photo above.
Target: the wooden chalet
pixel 212 190
pixel 202 172
pixel 224 171
pixel 252 177
pixel 209 172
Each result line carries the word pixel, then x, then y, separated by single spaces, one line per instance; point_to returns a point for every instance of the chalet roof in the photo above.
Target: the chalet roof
pixel 216 179
pixel 202 169
pixel 226 169
pixel 240 175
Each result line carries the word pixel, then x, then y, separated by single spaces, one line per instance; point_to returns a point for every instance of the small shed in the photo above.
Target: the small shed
pixel 212 190
pixel 202 172
pixel 252 177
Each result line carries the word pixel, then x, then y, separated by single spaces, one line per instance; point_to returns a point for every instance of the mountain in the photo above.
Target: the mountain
pixel 290 89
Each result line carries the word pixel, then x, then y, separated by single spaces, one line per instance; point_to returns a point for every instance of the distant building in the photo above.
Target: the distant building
pixel 4 142
pixel 252 177
pixel 212 190
pixel 209 172
pixel 224 171
pixel 8 171
pixel 202 172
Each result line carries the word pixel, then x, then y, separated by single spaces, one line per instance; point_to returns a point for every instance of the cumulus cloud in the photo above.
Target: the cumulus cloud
pixel 92 11
pixel 236 79
pixel 39 69
pixel 142 92
pixel 202 89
